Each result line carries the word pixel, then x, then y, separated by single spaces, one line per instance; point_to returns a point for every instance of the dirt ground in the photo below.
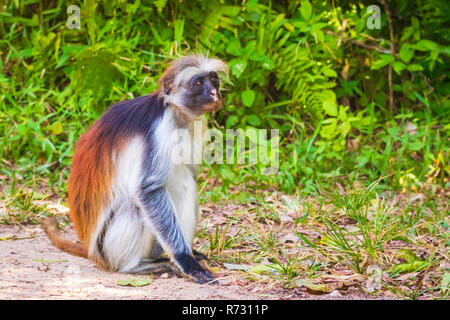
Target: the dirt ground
pixel 31 268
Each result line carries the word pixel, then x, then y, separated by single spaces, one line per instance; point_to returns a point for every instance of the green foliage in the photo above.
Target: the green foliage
pixel 310 69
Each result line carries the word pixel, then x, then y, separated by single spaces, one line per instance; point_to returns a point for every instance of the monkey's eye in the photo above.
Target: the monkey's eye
pixel 198 83
pixel 214 79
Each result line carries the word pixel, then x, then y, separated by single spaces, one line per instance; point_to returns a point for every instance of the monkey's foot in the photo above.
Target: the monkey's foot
pixel 147 266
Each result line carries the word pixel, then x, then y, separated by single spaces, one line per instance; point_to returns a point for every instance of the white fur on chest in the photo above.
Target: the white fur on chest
pixel 183 193
pixel 181 186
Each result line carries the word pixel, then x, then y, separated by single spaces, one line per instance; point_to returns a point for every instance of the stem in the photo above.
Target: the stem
pixel 391 35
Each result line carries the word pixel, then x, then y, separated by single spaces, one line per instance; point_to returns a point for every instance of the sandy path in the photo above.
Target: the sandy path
pixel 61 276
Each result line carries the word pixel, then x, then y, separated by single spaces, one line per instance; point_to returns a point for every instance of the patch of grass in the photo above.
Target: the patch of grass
pixel 333 241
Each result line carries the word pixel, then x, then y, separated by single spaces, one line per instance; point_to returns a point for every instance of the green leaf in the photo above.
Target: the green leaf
pixel 254 120
pixel 414 67
pixel 421 99
pixel 318 287
pixel 267 63
pixel 234 47
pixel 329 131
pixel 329 72
pixel 226 172
pixel 289 27
pixel 385 60
pixel 135 282
pixel 248 97
pixel 398 67
pixel 330 108
pixel 329 102
pixel 407 32
pixel 25 53
pixel 415 266
pixel 252 4
pixel 426 45
pixel 320 36
pixel 35 20
pixel 406 52
pixel 250 48
pixel 261 268
pixel 57 128
pixel 407 255
pixel 306 10
pixel 318 26
pixel 237 67
pixel 178 30
pixel 231 121
pixel 342 113
pixel 393 132
pixel 416 145
pixel 415 23
pixel 309 243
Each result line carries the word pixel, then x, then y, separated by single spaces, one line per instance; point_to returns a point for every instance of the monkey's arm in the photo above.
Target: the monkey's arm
pixel 158 208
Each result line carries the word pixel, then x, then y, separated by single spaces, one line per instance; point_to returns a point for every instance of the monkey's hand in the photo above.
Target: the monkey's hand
pixel 192 268
pixel 199 255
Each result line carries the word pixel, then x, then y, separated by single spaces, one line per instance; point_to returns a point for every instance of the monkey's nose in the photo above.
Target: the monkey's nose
pixel 213 93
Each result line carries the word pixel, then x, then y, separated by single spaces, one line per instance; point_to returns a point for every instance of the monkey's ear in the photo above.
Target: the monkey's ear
pixel 167 87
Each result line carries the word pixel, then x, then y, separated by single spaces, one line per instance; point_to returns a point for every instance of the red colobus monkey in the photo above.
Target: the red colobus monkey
pixel 129 202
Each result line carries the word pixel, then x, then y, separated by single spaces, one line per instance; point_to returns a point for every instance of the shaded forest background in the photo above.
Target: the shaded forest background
pixel 351 103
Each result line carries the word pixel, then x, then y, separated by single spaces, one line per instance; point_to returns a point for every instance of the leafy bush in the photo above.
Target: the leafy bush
pixel 350 102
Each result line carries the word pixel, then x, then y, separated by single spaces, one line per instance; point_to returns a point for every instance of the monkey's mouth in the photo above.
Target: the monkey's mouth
pixel 214 106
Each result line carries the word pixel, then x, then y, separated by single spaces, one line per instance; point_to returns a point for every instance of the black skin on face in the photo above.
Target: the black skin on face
pixel 203 90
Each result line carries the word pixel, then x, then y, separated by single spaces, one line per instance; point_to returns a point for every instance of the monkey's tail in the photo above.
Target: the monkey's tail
pixel 50 226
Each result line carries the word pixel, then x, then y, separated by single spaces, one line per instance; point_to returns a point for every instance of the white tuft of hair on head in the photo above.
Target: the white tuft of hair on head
pixel 212 64
pixel 204 64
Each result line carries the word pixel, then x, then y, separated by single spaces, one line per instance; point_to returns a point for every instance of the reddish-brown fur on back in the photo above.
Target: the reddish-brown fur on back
pixel 90 180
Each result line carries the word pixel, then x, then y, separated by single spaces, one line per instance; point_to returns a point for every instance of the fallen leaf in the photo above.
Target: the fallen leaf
pixel 240 282
pixel 347 280
pixel 260 268
pixel 407 276
pixel 335 293
pixel 445 284
pixel 343 272
pixel 373 282
pixel 320 287
pixel 285 218
pixel 407 255
pixel 232 266
pixel 4 238
pixel 42 260
pixel 136 282
pixel 410 127
pixel 415 266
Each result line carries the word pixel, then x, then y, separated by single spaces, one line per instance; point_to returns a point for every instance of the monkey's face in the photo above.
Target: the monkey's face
pixel 201 93
pixel 191 84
